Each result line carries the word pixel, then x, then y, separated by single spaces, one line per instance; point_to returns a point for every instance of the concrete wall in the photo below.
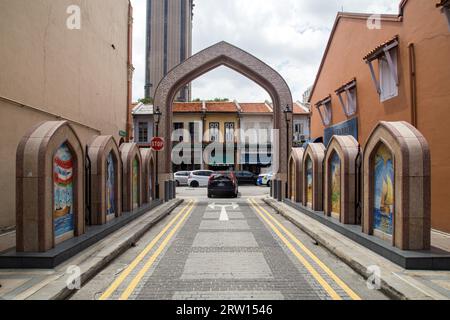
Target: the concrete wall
pixel 57 73
pixel 344 61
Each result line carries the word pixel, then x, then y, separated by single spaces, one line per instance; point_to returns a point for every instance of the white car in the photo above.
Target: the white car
pixel 199 178
pixel 264 179
pixel 181 178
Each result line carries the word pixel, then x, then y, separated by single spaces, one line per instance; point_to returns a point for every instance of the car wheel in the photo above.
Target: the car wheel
pixel 209 195
pixel 178 183
pixel 269 183
pixel 194 184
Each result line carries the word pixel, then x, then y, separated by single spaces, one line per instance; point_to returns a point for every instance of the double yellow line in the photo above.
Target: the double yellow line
pixel 270 220
pixel 184 213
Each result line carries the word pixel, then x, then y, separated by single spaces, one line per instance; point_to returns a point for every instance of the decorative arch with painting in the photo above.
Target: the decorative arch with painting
pixel 106 180
pixel 340 179
pixel 397 186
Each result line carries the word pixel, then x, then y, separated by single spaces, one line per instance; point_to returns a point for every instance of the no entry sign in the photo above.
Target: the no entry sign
pixel 157 143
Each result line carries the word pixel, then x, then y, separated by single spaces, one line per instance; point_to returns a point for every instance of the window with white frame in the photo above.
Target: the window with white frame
pixel 388 71
pixel 299 131
pixel 386 54
pixel 325 111
pixel 347 97
pixel 142 132
pixel 214 132
pixel 229 132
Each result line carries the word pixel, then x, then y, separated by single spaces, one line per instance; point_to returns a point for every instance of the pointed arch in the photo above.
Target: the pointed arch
pixel 37 177
pixel 295 185
pixel 341 156
pixel 312 176
pixel 131 177
pixel 407 199
pixel 148 172
pixel 223 54
pixel 106 200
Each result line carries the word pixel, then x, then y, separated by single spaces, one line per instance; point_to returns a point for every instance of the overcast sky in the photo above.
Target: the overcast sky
pixel 289 35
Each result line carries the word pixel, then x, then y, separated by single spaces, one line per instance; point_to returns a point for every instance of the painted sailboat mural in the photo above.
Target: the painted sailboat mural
pixel 110 186
pixel 384 191
pixel 335 185
pixel 309 182
pixel 63 215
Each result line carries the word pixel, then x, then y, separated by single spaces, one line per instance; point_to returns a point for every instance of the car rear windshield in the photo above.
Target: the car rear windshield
pixel 221 177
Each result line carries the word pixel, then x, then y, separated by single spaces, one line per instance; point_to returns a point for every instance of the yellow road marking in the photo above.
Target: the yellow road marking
pixel 113 287
pixel 133 284
pixel 333 294
pixel 330 273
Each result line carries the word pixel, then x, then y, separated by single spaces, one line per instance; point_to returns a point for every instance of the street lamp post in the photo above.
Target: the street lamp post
pixel 288 115
pixel 157 118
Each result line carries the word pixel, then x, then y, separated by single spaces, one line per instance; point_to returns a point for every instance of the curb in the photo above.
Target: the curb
pixel 358 267
pixel 92 264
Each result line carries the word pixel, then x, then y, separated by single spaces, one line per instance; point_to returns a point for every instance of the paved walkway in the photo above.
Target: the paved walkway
pixel 227 249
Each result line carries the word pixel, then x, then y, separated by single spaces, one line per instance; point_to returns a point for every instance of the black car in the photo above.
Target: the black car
pixel 222 184
pixel 246 177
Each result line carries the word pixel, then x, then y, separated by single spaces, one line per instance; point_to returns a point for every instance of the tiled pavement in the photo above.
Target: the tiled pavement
pixel 210 257
pixel 237 259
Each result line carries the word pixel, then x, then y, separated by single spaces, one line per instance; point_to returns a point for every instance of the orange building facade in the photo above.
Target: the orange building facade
pixel 390 68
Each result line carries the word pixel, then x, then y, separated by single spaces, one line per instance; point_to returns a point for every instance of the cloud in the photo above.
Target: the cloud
pixel 289 35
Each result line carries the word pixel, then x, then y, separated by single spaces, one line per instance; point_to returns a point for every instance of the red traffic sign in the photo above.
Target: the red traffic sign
pixel 157 143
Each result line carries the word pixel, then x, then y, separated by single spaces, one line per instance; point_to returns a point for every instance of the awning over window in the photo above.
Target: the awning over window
pixel 381 49
pixel 325 112
pixel 349 88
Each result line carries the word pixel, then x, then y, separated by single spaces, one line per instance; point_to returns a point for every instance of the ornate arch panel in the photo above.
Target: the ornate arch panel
pixel 295 169
pixel 340 179
pixel 397 197
pixel 148 171
pixel 49 187
pixel 312 176
pixel 132 194
pixel 106 179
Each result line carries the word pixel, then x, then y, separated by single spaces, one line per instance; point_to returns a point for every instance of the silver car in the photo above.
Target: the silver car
pixel 181 178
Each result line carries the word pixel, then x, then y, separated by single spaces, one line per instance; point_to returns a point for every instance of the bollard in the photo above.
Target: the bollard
pixel 166 191
pixel 280 190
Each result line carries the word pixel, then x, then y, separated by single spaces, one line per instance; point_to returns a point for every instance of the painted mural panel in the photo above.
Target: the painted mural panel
pixel 383 190
pixel 309 182
pixel 335 166
pixel 135 183
pixel 63 213
pixel 110 186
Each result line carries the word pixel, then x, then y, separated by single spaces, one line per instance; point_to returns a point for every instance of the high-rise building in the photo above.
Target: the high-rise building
pixel 169 41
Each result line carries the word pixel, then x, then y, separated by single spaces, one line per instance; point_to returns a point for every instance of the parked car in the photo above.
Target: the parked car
pixel 181 178
pixel 199 178
pixel 265 179
pixel 246 177
pixel 223 184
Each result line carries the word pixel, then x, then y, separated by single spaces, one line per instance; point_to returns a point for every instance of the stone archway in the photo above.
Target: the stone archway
pixel 223 54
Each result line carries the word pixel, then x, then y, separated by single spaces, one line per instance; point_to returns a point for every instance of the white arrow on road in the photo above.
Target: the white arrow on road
pixel 223 211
